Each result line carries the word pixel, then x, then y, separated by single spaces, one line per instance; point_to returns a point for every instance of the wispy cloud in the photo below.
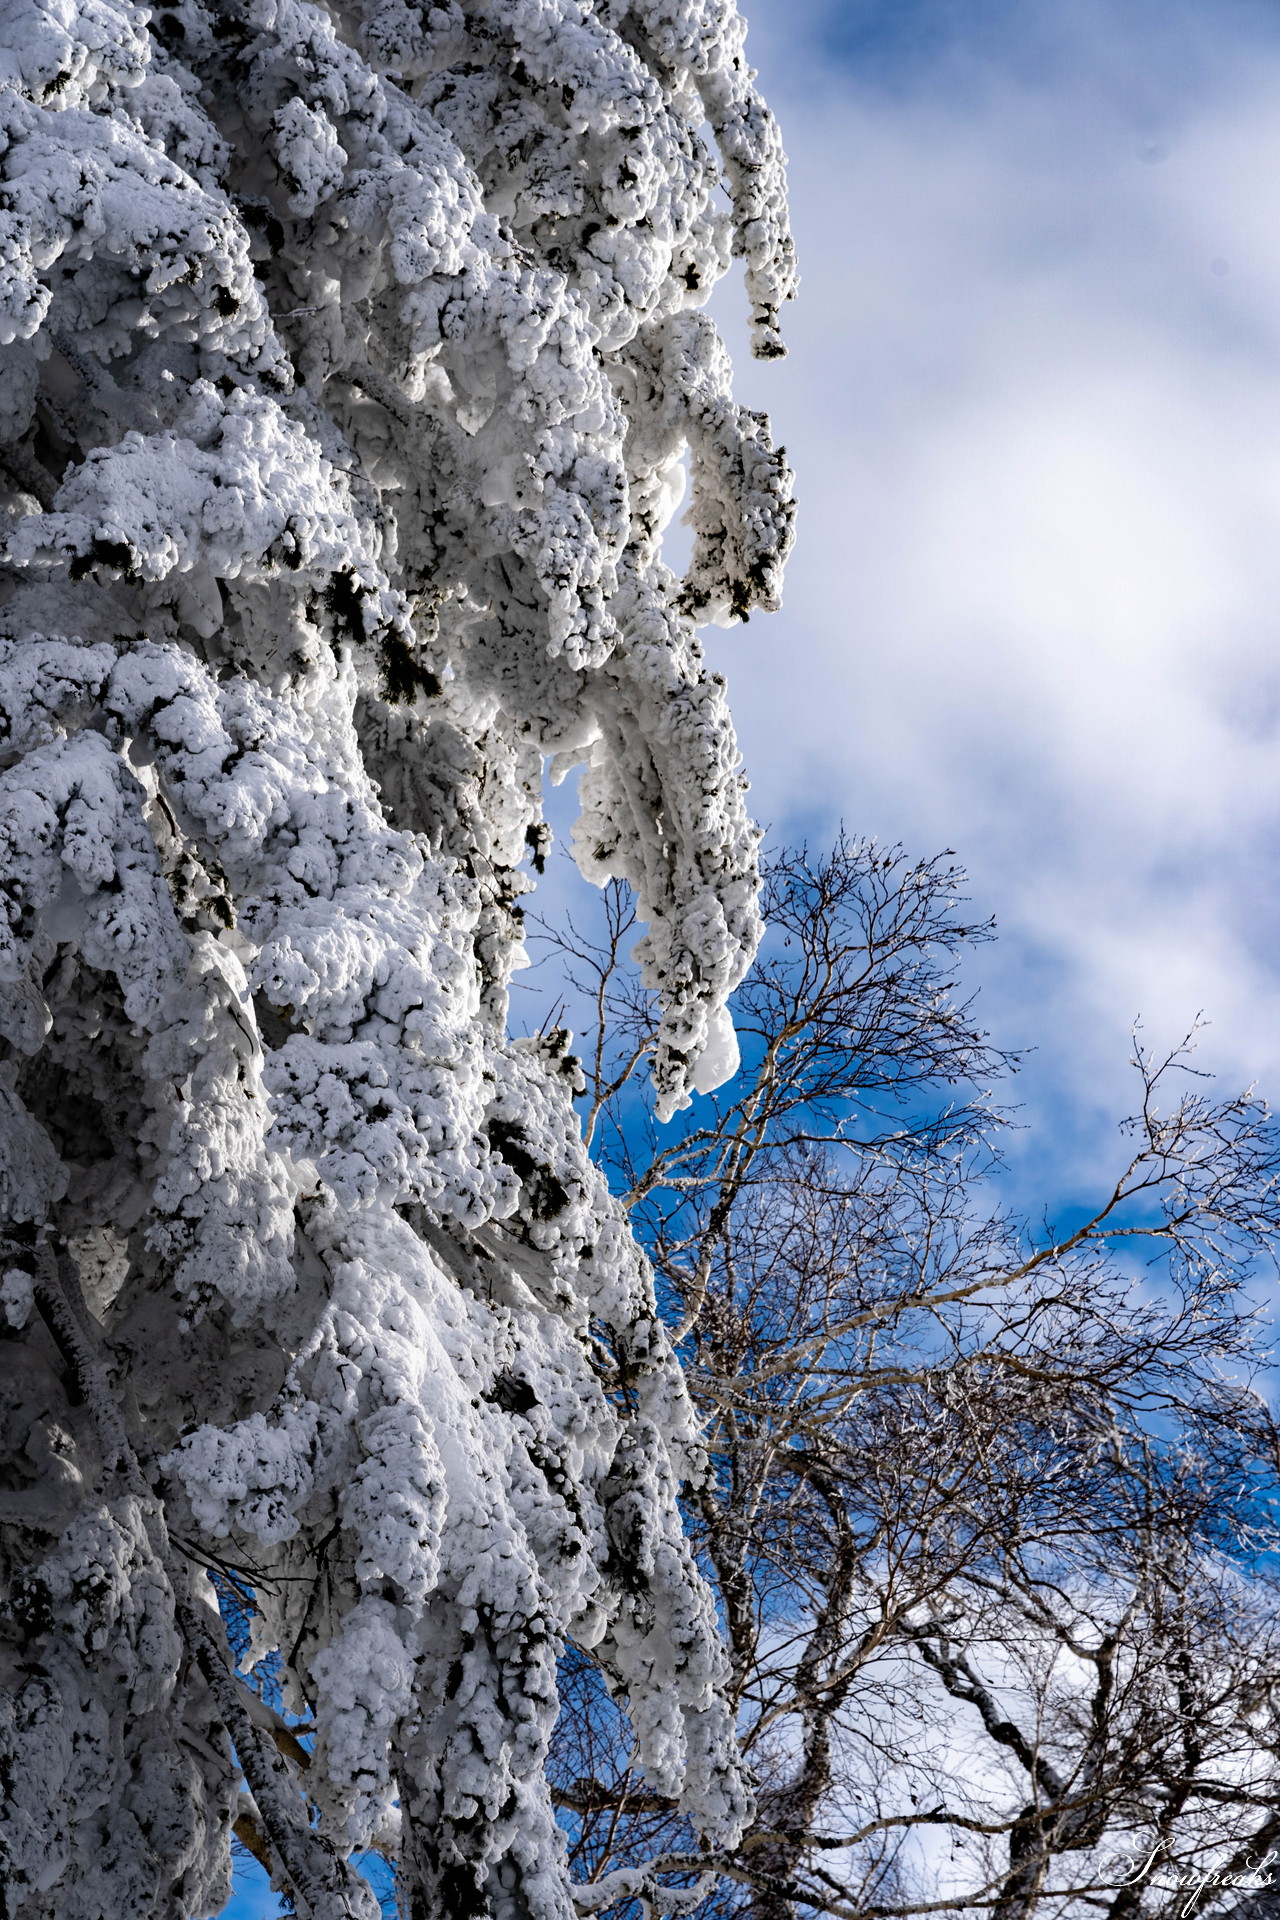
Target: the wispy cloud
pixel 1034 399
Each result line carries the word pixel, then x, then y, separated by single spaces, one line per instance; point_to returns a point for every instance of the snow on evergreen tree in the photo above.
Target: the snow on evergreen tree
pixel 350 358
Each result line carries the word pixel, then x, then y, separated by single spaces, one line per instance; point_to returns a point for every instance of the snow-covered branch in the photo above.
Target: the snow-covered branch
pixel 349 356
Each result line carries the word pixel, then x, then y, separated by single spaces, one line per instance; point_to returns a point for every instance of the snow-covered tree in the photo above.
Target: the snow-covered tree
pixel 351 358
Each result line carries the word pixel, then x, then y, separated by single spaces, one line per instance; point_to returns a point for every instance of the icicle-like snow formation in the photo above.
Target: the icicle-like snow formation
pixel 349 359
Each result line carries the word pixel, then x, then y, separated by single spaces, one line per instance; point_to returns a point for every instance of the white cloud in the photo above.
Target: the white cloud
pixel 1035 609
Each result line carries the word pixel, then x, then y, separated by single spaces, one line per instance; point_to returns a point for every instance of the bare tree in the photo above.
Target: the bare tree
pixel 988 1510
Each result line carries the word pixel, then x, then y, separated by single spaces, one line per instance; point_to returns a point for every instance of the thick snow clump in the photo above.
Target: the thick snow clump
pixel 351 358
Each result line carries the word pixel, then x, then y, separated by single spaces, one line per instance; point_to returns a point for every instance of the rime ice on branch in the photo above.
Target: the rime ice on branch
pixel 349 360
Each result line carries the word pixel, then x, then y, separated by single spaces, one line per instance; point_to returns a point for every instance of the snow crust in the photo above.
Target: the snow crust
pixel 348 361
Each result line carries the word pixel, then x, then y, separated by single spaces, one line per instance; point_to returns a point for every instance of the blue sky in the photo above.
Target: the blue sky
pixel 1033 399
pixel 1034 403
pixel 252 1899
